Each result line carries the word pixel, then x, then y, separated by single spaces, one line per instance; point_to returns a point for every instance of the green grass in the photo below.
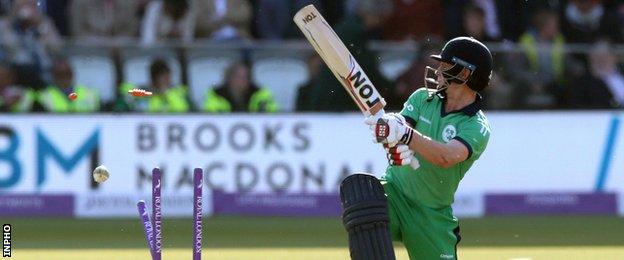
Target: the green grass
pixel 470 253
pixel 543 231
pixel 304 238
pixel 306 232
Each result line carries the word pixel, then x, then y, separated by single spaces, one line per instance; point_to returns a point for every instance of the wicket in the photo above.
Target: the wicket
pixel 157 213
pixel 147 226
pixel 153 228
pixel 197 213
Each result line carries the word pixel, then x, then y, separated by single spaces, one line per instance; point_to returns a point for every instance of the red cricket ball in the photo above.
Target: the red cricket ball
pixel 72 96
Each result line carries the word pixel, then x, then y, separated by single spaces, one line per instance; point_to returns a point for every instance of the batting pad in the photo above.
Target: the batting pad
pixel 365 217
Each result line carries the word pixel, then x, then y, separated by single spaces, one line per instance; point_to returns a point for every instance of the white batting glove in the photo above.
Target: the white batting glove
pixel 398 155
pixel 390 128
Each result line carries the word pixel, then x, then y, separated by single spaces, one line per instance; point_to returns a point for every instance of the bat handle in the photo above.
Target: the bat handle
pixel 377 115
pixel 377 109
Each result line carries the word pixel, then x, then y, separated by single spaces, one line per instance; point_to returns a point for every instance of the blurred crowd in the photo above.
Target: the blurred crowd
pixel 533 41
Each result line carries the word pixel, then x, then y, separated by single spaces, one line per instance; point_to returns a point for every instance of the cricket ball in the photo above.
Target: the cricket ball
pixel 72 96
pixel 100 174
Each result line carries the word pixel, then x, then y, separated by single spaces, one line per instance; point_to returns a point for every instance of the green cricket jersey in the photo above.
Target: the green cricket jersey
pixel 430 185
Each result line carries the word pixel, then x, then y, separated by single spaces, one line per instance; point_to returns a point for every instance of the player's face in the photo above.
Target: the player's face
pixel 240 79
pixel 440 73
pixel 441 77
pixel 444 76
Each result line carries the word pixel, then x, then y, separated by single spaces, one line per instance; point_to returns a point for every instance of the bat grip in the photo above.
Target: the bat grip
pixel 379 107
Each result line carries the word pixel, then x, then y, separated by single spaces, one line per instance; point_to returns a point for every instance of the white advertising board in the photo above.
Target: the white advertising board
pixel 294 153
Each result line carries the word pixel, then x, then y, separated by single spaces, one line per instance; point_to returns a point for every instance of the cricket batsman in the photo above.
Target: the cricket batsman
pixel 431 144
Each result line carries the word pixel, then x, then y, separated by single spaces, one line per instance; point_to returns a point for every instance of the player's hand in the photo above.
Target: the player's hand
pixel 398 155
pixel 390 128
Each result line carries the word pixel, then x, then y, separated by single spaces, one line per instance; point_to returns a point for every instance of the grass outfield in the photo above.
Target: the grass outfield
pixel 289 253
pixel 309 238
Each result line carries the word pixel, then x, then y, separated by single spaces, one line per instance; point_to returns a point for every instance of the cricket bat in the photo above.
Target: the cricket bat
pixel 339 60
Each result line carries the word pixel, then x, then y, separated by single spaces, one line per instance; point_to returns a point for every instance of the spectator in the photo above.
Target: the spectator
pixel 239 94
pixel 351 7
pixel 5 7
pixel 166 97
pixel 504 19
pixel 168 20
pixel 327 94
pixel 413 77
pixel 474 24
pixel 513 17
pixel 414 20
pixel 540 68
pixel 585 21
pixel 58 11
pixel 141 7
pixel 499 94
pixel 104 18
pixel 224 19
pixel 333 10
pixel 274 17
pixel 475 18
pixel 603 86
pixel 28 37
pixel 303 91
pixel 13 98
pixel 55 99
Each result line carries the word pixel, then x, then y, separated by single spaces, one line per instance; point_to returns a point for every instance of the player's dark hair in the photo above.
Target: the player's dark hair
pixel 229 72
pixel 176 8
pixel 472 8
pixel 542 16
pixel 158 67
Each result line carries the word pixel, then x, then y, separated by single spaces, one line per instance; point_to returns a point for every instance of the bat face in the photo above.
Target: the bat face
pixel 339 60
pixel 308 18
pixel 363 88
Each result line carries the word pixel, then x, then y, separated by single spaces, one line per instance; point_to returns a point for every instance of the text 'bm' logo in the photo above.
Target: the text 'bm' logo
pixel 309 18
pixel 6 240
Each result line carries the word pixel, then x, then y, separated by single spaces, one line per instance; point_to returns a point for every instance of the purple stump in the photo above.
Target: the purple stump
pixel 157 212
pixel 147 226
pixel 197 213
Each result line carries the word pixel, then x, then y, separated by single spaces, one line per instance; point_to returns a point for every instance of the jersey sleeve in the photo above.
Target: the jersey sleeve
pixel 474 134
pixel 411 107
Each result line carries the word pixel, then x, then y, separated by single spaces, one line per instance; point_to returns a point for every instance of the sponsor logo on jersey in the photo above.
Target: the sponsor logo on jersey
pixel 449 133
pixel 424 120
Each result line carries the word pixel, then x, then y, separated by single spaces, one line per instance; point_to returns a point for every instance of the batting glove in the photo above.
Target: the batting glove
pixel 390 128
pixel 398 155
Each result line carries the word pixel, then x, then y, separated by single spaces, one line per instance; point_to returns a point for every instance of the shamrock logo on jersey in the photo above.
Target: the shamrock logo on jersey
pixel 448 133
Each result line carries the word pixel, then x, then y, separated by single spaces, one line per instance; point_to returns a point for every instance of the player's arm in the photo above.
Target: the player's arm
pixel 439 154
pixel 394 128
pixel 470 140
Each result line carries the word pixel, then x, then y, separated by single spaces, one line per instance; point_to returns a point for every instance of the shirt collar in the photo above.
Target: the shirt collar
pixel 471 110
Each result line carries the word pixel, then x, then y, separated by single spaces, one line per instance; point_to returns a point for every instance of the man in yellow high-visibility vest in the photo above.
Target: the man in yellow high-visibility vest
pixel 14 98
pixel 239 94
pixel 166 97
pixel 54 98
